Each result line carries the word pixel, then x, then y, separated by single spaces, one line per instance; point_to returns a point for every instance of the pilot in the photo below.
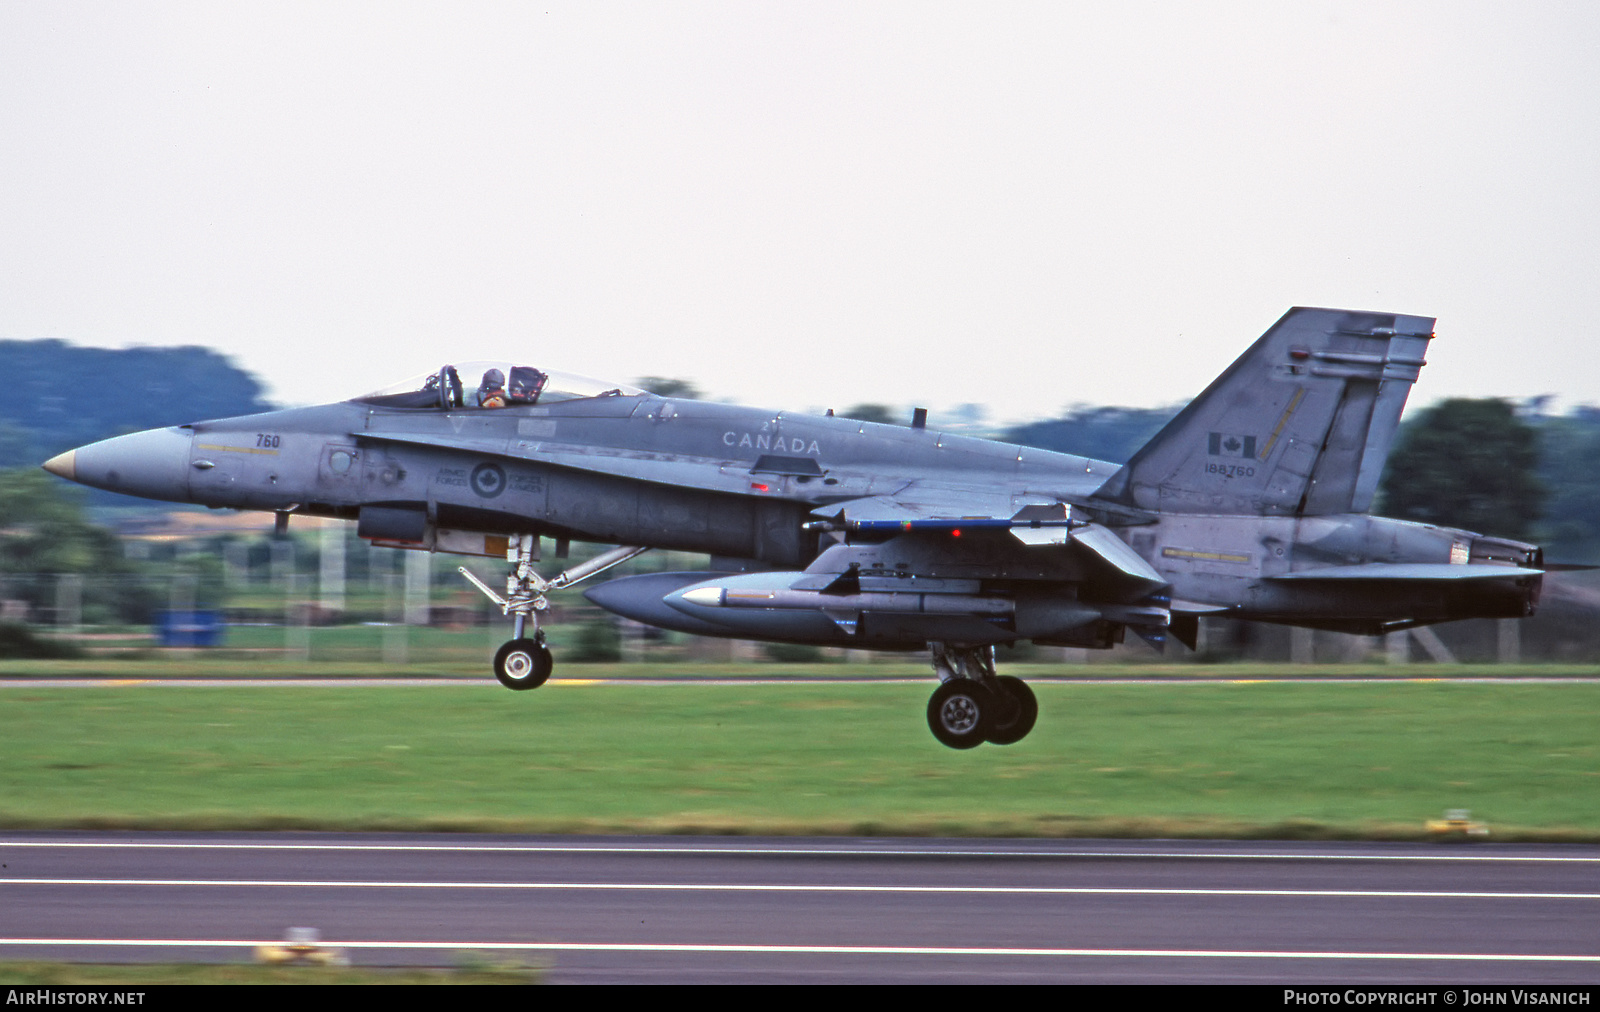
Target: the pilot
pixel 527 383
pixel 492 391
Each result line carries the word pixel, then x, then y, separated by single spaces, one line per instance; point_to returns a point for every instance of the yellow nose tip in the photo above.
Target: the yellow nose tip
pixel 63 465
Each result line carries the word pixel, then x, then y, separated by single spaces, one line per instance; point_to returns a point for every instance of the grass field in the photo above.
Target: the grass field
pixel 1176 759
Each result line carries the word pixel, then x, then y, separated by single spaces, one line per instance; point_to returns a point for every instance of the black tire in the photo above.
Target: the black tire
pixel 1008 729
pixel 959 713
pixel 523 664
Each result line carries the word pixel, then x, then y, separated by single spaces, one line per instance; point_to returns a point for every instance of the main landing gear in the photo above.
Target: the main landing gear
pixel 524 662
pixel 973 705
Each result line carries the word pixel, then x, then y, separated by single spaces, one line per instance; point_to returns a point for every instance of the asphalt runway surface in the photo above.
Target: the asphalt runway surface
pixel 736 910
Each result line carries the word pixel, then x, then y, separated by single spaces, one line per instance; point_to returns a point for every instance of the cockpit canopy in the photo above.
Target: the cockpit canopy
pixel 489 385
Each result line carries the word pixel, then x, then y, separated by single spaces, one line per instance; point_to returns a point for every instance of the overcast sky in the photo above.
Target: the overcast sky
pixel 797 205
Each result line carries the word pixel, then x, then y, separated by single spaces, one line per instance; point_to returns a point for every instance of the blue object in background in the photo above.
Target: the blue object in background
pixel 188 628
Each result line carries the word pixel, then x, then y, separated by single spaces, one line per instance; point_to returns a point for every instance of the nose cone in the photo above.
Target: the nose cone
pixel 63 465
pixel 153 464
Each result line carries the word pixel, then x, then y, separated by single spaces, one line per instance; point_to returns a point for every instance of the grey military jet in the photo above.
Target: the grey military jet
pixel 1250 504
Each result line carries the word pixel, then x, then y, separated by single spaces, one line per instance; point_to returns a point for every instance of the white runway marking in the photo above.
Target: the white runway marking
pixel 759 887
pixel 847 950
pixel 781 851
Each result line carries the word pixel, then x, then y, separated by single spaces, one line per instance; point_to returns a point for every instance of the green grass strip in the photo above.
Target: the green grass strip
pixel 133 975
pixel 1245 759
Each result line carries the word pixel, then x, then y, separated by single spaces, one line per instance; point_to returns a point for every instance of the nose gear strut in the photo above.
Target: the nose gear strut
pixel 524 662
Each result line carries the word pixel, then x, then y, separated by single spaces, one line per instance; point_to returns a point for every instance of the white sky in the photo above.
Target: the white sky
pixel 804 204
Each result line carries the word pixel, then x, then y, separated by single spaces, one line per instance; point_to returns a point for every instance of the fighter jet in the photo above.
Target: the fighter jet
pixel 1251 504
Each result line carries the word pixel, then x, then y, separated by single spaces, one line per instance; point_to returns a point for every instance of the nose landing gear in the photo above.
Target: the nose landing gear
pixel 524 662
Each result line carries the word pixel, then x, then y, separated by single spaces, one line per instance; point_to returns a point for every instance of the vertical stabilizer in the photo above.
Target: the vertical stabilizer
pixel 1300 425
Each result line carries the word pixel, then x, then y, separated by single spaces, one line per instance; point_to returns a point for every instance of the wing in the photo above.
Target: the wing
pixel 946 511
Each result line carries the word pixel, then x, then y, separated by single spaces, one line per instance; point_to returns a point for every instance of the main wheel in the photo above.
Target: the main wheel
pixel 1012 727
pixel 959 713
pixel 523 664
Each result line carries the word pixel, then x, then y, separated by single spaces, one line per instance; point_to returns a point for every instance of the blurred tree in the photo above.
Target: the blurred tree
pixel 663 386
pixel 1469 464
pixel 872 413
pixel 43 533
pixel 793 653
pixel 598 641
pixel 16 444
pixel 1569 446
pixel 60 396
pixel 45 530
pixel 17 641
pixel 1113 434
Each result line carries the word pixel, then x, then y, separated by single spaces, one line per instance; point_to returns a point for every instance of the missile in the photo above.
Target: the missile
pixel 643 599
pixel 833 609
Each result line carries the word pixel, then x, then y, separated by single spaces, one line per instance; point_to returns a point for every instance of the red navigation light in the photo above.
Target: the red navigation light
pixel 759 487
pixel 956 533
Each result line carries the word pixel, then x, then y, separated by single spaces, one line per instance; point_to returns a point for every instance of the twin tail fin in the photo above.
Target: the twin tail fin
pixel 1300 425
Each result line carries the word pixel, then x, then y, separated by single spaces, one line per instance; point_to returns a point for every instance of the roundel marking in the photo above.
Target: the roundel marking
pixel 488 480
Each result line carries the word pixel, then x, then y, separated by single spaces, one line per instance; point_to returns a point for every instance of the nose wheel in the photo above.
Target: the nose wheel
pixel 524 662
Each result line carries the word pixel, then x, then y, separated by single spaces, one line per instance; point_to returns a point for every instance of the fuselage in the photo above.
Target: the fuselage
pixel 660 472
pixel 742 483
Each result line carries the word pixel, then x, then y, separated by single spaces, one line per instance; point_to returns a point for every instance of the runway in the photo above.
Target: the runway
pixel 692 909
